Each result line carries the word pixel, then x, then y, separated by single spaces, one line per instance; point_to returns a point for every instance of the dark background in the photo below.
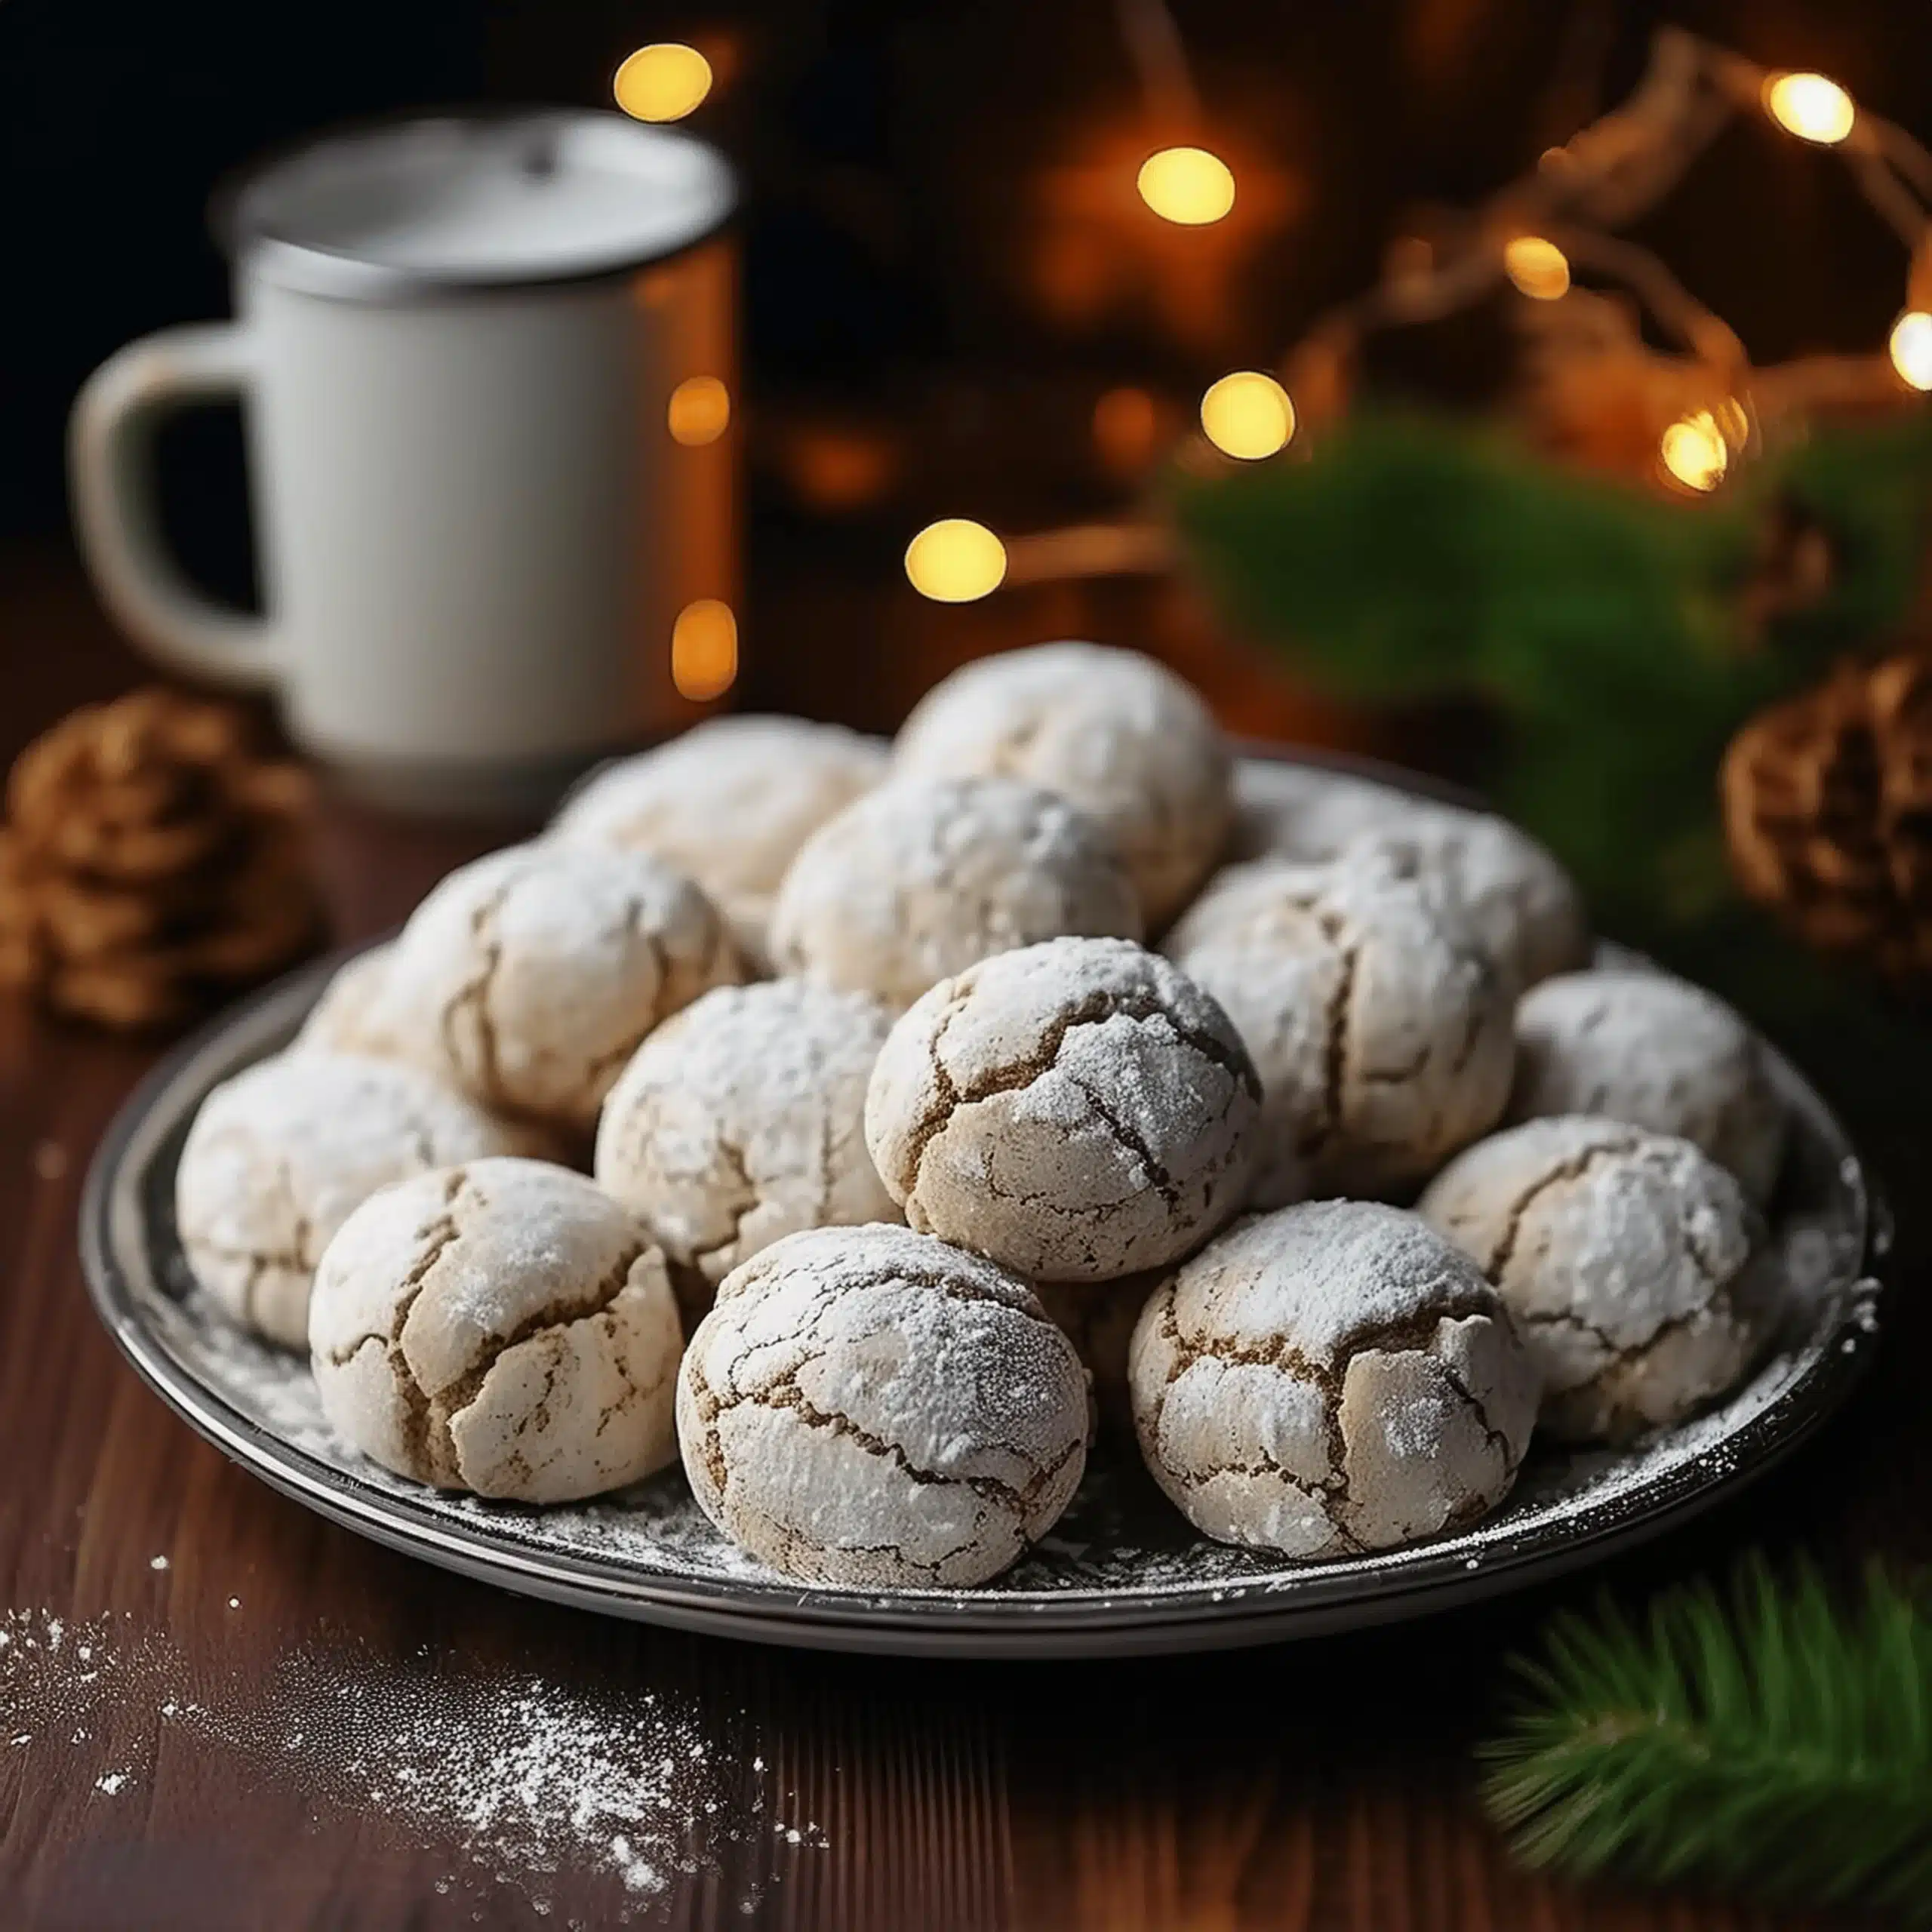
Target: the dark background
pixel 931 246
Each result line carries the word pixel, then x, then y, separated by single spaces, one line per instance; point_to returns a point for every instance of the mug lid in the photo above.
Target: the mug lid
pixel 474 201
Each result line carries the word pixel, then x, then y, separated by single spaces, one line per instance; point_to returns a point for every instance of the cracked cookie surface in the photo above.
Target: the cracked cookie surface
pixel 1078 1110
pixel 921 878
pixel 1119 734
pixel 728 803
pixel 868 1408
pixel 1330 1379
pixel 1379 1025
pixel 1623 1255
pixel 279 1156
pixel 537 969
pixel 1656 1052
pixel 1524 908
pixel 502 1326
pixel 742 1119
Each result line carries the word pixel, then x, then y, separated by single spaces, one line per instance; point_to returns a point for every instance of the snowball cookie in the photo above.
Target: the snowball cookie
pixel 1119 734
pixel 868 1407
pixel 1331 1378
pixel 744 1119
pixel 278 1156
pixel 1077 1110
pixel 1620 1253
pixel 923 877
pixel 1656 1052
pixel 502 1326
pixel 728 803
pixel 1526 909
pixel 540 968
pixel 1526 913
pixel 1380 1027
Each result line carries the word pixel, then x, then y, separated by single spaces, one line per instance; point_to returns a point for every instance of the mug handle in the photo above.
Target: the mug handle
pixel 110 466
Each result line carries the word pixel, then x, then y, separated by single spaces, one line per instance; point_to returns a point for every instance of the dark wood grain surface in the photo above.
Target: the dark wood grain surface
pixel 218 1711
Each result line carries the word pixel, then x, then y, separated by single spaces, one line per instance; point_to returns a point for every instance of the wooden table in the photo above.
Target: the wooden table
pixel 212 1703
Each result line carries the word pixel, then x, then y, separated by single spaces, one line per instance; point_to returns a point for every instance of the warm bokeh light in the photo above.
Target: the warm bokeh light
pixel 955 561
pixel 1189 185
pixel 1248 415
pixel 664 82
pixel 704 650
pixel 1811 107
pixel 700 411
pixel 1693 451
pixel 1539 268
pixel 1911 345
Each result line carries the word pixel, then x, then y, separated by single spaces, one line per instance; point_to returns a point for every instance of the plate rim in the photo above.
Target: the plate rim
pixel 1398 1585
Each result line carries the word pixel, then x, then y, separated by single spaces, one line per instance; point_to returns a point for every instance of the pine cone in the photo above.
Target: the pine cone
pixel 153 861
pixel 1828 812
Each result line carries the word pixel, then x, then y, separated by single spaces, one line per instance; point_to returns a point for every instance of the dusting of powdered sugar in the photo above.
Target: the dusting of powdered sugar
pixel 519 1778
pixel 540 968
pixel 741 1119
pixel 1523 906
pixel 1654 1051
pixel 1622 1254
pixel 1078 1109
pixel 924 876
pixel 814 1431
pixel 1119 734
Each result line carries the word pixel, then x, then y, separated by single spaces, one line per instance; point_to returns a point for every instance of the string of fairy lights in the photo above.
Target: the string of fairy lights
pixel 1542 236
pixel 1537 237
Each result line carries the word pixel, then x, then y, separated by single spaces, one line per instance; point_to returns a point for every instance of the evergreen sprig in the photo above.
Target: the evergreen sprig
pixel 1767 1741
pixel 1620 639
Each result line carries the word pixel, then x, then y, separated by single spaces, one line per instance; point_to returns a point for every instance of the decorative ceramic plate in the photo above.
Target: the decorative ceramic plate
pixel 1122 1571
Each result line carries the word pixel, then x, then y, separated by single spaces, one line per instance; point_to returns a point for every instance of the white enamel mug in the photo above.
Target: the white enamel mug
pixel 485 367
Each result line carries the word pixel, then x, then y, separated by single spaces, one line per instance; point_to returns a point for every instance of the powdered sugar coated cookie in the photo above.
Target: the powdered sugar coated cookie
pixel 353 1015
pixel 742 1119
pixel 1656 1052
pixel 1525 909
pixel 1623 1256
pixel 1379 1027
pixel 537 969
pixel 502 1326
pixel 1078 1110
pixel 923 877
pixel 1331 1378
pixel 1118 733
pixel 868 1406
pixel 728 803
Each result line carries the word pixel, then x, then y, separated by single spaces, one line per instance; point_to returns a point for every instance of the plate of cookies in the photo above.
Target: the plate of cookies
pixel 1057 1184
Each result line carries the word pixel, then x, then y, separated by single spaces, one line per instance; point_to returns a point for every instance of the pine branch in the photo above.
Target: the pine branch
pixel 1771 1742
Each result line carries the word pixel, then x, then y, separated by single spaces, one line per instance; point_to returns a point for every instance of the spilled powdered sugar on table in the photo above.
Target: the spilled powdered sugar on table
pixel 519 1778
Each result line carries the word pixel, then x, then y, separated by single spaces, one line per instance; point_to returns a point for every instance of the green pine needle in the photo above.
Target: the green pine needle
pixel 1768 1742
